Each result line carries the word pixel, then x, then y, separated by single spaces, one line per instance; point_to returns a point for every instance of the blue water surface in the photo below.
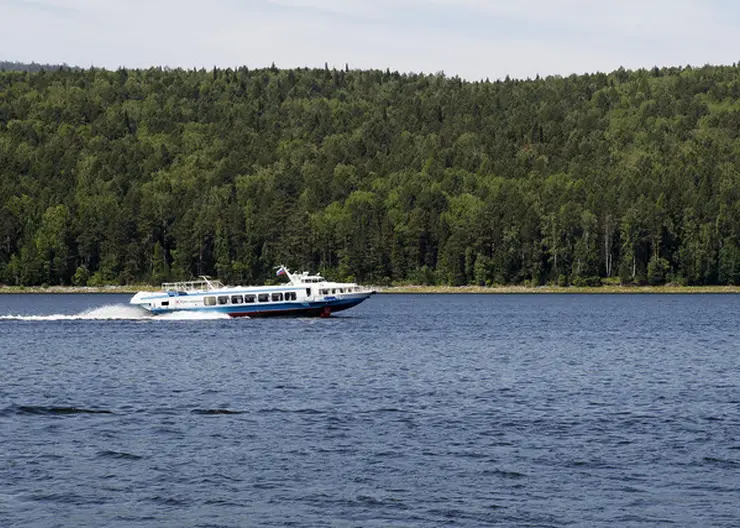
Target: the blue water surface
pixel 409 410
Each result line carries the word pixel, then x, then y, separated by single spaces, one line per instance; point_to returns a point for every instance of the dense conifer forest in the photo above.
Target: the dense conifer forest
pixel 125 176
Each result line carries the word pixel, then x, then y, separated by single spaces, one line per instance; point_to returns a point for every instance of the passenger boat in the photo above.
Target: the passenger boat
pixel 303 295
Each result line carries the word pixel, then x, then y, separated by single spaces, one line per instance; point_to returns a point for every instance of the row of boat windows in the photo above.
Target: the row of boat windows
pixel 249 299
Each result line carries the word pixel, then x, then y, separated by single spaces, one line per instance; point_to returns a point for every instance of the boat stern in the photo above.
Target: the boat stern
pixel 141 300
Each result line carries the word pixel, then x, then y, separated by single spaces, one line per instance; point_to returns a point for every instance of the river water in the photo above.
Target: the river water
pixel 409 410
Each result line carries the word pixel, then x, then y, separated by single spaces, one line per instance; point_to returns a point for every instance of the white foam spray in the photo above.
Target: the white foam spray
pixel 118 312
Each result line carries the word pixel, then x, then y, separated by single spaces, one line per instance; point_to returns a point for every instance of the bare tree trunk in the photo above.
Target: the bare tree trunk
pixel 608 234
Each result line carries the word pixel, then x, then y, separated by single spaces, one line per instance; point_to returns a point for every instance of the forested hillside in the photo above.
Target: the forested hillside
pixel 145 175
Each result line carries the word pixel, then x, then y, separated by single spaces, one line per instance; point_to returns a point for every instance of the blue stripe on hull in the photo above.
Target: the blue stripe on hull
pixel 236 291
pixel 338 306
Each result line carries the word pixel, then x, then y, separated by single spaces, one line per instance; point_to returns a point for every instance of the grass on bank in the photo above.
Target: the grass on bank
pixel 616 289
pixel 609 285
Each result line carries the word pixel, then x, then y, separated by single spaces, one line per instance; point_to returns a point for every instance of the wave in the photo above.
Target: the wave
pixel 42 409
pixel 118 455
pixel 66 410
pixel 215 411
pixel 118 312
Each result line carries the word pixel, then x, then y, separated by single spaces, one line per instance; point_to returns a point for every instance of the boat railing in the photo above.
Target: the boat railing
pixel 205 284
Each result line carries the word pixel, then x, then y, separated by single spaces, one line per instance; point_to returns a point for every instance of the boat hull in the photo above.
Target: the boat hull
pixel 313 310
pixel 292 309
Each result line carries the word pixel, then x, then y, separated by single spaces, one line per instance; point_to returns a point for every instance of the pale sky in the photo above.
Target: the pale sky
pixel 475 39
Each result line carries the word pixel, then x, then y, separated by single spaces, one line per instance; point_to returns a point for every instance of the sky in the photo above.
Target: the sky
pixel 473 39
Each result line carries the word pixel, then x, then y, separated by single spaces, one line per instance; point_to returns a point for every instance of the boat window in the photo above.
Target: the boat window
pixel 223 299
pixel 209 301
pixel 276 297
pixel 237 299
pixel 334 290
pixel 263 297
pixel 165 303
pixel 249 299
pixel 308 292
pixel 290 296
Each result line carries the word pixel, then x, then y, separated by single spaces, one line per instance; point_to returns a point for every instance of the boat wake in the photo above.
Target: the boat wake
pixel 117 312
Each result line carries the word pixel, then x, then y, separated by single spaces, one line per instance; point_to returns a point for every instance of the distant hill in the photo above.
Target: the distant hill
pixel 33 67
pixel 133 176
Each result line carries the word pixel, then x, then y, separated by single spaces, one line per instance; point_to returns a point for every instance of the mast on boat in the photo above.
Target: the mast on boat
pixel 299 279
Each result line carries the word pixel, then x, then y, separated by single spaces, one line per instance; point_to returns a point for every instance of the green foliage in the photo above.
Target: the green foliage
pixel 153 175
pixel 81 276
pixel 657 270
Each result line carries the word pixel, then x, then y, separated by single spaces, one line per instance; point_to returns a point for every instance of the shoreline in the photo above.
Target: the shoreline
pixel 415 289
pixel 607 289
pixel 74 289
pixel 534 290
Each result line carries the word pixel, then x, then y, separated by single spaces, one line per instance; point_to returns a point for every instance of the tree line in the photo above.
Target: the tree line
pixel 32 67
pixel 128 176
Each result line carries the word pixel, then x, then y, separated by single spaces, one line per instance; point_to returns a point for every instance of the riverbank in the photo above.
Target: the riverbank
pixel 610 289
pixel 616 289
